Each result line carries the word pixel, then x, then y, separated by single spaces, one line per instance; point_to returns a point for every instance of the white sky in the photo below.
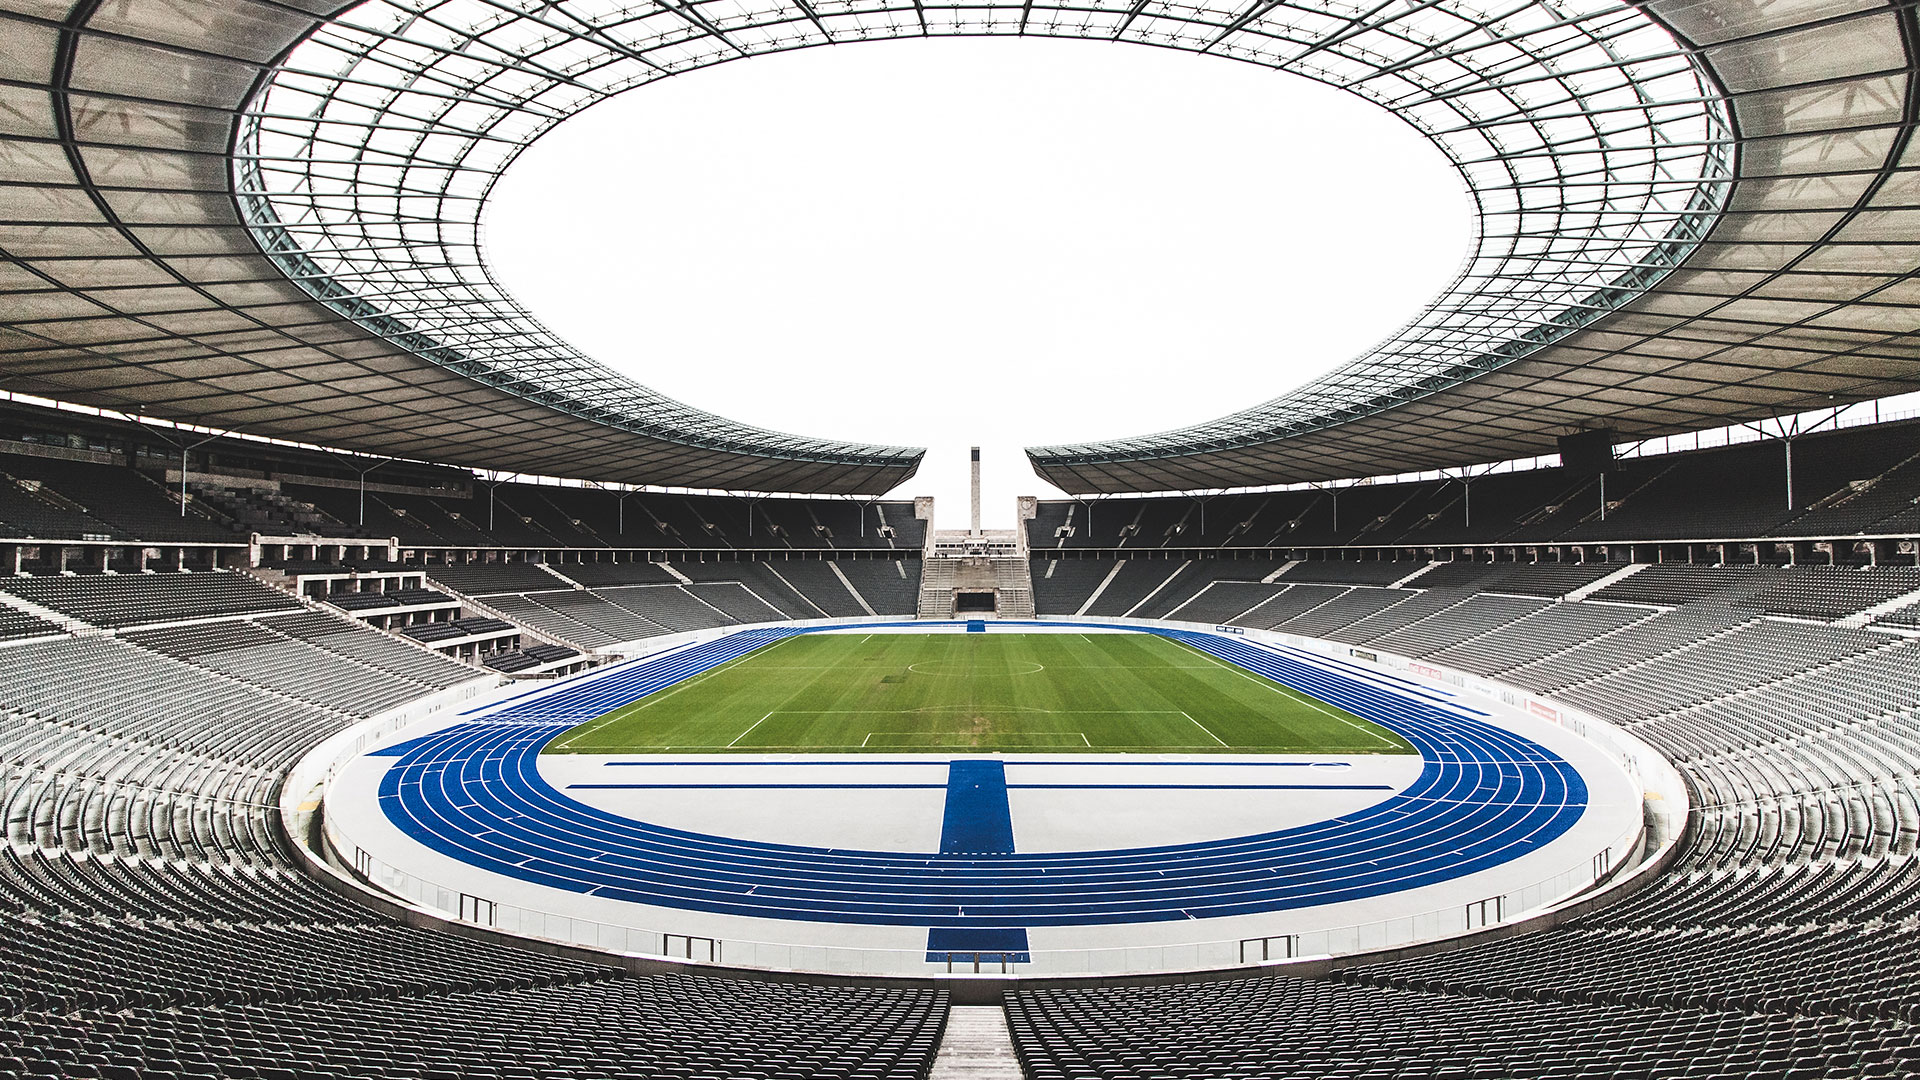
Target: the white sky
pixel 1000 242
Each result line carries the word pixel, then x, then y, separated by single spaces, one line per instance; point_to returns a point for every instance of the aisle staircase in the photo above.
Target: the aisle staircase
pixel 1013 588
pixel 936 588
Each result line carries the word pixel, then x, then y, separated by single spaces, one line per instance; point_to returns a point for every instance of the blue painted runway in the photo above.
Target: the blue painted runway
pixel 1484 797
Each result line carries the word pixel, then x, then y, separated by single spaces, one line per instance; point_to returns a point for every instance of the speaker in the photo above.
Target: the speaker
pixel 1587 451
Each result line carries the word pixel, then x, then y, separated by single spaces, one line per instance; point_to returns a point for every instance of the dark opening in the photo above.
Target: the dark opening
pixel 973 601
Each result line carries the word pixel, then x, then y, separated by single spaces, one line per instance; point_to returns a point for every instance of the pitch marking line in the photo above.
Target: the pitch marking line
pixel 990 709
pixel 749 731
pixel 863 742
pixel 1202 727
pixel 1038 667
pixel 1286 691
pixel 624 711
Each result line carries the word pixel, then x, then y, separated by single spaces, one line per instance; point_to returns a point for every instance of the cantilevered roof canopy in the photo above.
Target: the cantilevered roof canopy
pixel 260 215
pixel 147 271
pixel 1787 286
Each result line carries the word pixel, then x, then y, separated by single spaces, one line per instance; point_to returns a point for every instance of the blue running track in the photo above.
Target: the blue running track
pixel 1484 797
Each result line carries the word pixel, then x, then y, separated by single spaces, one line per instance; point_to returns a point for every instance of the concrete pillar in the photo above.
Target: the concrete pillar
pixel 976 491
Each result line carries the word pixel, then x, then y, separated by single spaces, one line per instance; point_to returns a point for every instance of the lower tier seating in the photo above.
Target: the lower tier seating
pixel 153 924
pixel 601 1028
pixel 1285 1028
pixel 1781 944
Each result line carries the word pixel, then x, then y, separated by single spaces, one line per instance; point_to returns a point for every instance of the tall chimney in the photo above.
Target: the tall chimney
pixel 976 491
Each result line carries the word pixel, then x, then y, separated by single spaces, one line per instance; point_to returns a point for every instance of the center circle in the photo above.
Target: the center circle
pixel 958 667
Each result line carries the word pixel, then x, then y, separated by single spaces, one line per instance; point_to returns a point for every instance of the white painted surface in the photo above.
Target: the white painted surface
pixel 1044 819
pixel 909 820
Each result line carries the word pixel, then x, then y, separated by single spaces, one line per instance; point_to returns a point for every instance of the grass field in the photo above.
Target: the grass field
pixel 841 693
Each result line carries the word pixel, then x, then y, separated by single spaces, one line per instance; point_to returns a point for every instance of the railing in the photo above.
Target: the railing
pixel 1285 943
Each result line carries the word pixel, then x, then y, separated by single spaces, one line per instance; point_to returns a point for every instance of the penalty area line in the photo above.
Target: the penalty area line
pixel 1285 691
pixel 641 704
pixel 1202 727
pixel 865 743
pixel 749 731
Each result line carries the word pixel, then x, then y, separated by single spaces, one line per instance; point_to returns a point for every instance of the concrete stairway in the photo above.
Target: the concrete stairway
pixel 1013 588
pixel 976 1046
pixel 936 588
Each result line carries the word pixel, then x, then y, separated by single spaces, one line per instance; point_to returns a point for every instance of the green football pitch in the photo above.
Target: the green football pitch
pixel 895 693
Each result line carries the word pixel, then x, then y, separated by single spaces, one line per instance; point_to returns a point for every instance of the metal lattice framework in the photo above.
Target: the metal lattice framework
pixel 1596 150
pixel 362 164
pixel 259 215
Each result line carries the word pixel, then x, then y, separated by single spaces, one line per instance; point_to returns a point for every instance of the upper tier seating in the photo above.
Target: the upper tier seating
pixel 31 510
pixel 616 573
pixel 74 493
pixel 1551 580
pixel 115 601
pixel 266 510
pixel 1855 481
pixel 1336 572
pixel 381 517
pixel 482 580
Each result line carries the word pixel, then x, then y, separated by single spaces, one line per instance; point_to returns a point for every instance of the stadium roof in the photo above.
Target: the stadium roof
pixel 1720 246
pixel 261 215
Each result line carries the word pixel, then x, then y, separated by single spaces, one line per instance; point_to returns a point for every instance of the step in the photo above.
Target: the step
pixel 976 1046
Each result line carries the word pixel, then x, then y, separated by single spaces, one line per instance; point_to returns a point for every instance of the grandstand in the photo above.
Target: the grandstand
pixel 289 488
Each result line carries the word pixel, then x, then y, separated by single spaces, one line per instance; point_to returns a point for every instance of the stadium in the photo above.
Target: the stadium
pixel 389 689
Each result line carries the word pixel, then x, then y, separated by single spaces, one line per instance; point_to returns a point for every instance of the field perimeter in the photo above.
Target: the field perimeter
pixel 895 693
